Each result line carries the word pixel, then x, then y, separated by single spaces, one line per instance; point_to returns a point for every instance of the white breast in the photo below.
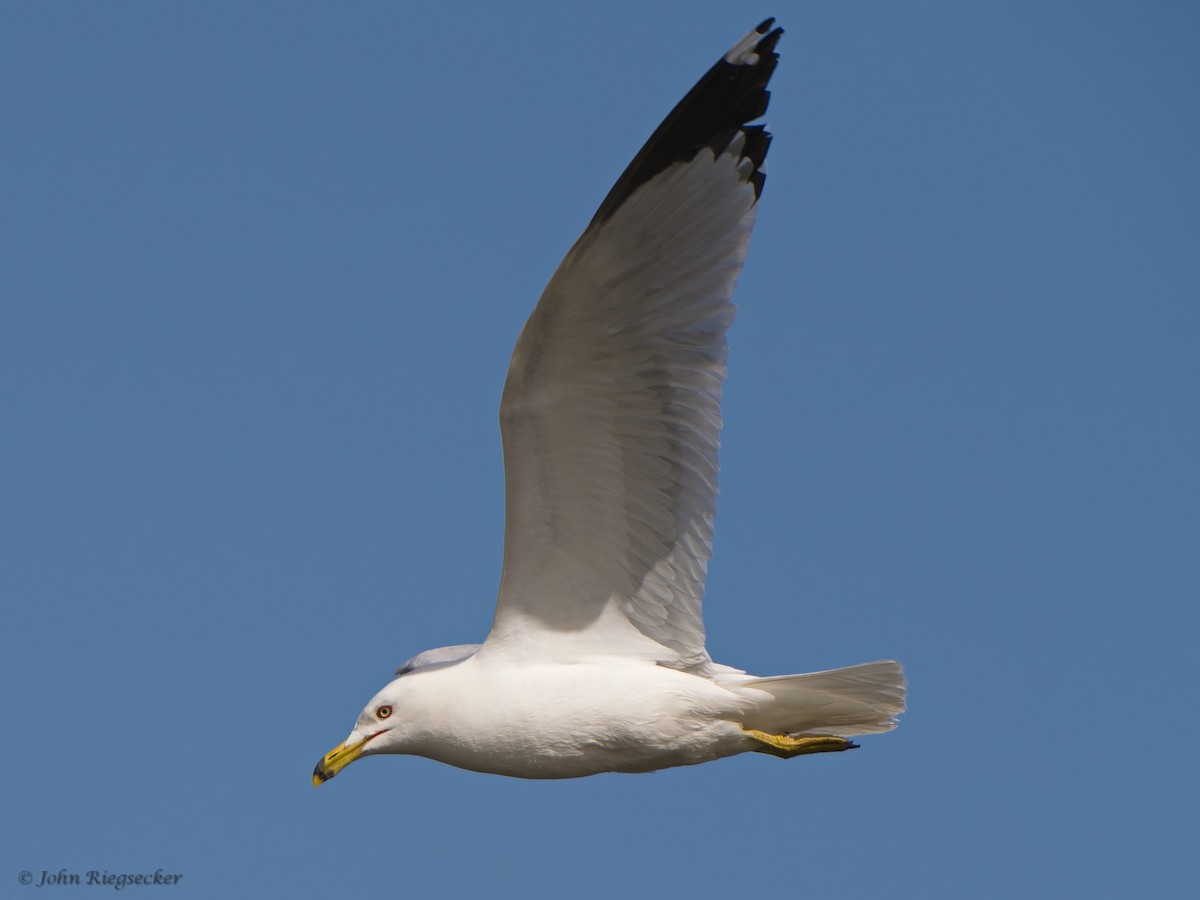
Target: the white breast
pixel 566 721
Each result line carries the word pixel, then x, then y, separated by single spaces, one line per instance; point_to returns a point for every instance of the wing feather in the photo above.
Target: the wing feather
pixel 611 411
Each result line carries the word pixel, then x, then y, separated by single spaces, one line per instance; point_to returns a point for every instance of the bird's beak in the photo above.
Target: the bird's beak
pixel 337 759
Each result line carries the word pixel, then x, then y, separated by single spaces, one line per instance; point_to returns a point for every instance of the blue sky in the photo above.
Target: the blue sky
pixel 263 266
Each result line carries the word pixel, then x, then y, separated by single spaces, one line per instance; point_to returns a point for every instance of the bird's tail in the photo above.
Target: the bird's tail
pixel 862 699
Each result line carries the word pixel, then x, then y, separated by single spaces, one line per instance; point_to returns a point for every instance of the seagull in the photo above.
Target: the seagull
pixel 610 419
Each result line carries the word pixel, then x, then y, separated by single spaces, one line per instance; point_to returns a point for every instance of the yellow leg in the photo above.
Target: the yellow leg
pixel 785 746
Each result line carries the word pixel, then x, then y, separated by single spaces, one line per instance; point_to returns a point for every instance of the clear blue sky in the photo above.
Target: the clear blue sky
pixel 263 266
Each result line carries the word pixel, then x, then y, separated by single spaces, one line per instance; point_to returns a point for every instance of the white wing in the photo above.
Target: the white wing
pixel 611 411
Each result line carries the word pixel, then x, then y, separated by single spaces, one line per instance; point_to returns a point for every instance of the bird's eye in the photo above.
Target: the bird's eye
pixel 383 712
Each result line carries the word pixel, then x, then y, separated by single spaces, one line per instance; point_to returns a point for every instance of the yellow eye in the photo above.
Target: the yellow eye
pixel 383 712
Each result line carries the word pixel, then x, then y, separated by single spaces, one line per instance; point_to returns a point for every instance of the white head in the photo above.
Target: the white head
pixel 382 726
pixel 379 729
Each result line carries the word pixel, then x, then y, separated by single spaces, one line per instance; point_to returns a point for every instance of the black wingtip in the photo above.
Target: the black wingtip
pixel 751 49
pixel 732 93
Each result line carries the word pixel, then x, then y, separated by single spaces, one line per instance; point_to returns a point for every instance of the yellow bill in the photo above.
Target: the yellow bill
pixel 336 760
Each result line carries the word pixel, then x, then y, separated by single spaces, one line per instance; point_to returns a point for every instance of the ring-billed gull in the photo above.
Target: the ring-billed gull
pixel 610 420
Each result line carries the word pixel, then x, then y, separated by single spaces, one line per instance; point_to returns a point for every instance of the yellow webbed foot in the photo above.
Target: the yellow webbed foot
pixel 785 746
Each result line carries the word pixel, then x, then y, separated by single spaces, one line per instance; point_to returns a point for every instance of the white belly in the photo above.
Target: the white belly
pixel 566 721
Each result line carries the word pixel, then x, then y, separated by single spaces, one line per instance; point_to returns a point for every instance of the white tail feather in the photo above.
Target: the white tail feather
pixel 862 699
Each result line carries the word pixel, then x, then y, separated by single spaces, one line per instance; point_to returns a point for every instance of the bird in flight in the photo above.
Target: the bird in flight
pixel 610 419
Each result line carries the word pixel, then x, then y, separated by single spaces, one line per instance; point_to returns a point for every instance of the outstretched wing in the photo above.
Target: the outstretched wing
pixel 611 411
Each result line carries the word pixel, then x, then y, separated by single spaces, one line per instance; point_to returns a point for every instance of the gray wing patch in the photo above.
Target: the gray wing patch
pixel 438 656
